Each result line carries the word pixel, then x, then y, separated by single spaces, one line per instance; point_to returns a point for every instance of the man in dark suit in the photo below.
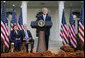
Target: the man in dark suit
pixel 45 17
pixel 27 36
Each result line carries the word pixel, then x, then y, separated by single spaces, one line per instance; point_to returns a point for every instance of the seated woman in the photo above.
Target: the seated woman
pixel 16 38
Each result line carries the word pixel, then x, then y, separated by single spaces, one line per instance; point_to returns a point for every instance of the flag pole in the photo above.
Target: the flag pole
pixel 81 6
pixel 3 48
pixel 2 43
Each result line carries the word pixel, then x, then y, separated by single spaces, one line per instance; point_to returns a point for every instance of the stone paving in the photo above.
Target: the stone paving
pixel 54 46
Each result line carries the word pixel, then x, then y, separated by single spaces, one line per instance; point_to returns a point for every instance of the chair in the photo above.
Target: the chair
pixel 27 43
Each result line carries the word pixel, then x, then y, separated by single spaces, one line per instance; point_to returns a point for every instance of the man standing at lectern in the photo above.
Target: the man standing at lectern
pixel 45 17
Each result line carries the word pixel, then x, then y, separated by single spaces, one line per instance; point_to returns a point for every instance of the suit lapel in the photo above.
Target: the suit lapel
pixel 42 17
pixel 23 33
pixel 28 33
pixel 46 18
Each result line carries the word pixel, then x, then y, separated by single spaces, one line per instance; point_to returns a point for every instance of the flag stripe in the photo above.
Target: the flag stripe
pixel 5 43
pixel 4 35
pixel 14 19
pixel 4 30
pixel 63 30
pixel 19 27
pixel 65 37
pixel 81 39
pixel 20 21
pixel 72 31
pixel 4 26
pixel 64 43
pixel 82 34
pixel 73 36
pixel 73 41
pixel 81 25
pixel 73 45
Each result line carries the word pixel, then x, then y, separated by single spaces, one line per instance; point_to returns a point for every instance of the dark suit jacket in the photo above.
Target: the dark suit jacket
pixel 13 36
pixel 48 18
pixel 29 34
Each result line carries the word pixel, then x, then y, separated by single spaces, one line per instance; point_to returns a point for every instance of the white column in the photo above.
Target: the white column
pixel 61 7
pixel 9 23
pixel 24 11
pixel 76 25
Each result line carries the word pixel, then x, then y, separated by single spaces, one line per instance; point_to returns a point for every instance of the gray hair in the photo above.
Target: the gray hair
pixel 24 24
pixel 44 9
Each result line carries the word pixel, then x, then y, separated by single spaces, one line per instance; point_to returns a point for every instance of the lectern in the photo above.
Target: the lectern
pixel 41 26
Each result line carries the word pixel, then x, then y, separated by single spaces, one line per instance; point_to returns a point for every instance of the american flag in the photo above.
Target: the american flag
pixel 63 31
pixel 4 28
pixel 20 21
pixel 72 31
pixel 81 26
pixel 14 19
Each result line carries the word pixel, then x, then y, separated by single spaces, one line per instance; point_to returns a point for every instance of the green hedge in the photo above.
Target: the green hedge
pixel 2 46
pixel 80 46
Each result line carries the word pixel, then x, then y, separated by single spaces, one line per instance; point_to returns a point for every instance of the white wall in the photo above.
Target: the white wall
pixel 54 32
pixel 54 16
pixel 32 17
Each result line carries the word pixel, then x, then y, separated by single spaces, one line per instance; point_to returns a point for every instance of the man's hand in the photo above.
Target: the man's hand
pixel 29 39
pixel 24 39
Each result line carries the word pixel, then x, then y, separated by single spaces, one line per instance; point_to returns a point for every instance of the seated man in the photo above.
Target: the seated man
pixel 27 37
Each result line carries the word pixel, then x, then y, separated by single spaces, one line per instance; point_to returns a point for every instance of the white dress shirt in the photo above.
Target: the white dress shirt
pixel 44 16
pixel 26 34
